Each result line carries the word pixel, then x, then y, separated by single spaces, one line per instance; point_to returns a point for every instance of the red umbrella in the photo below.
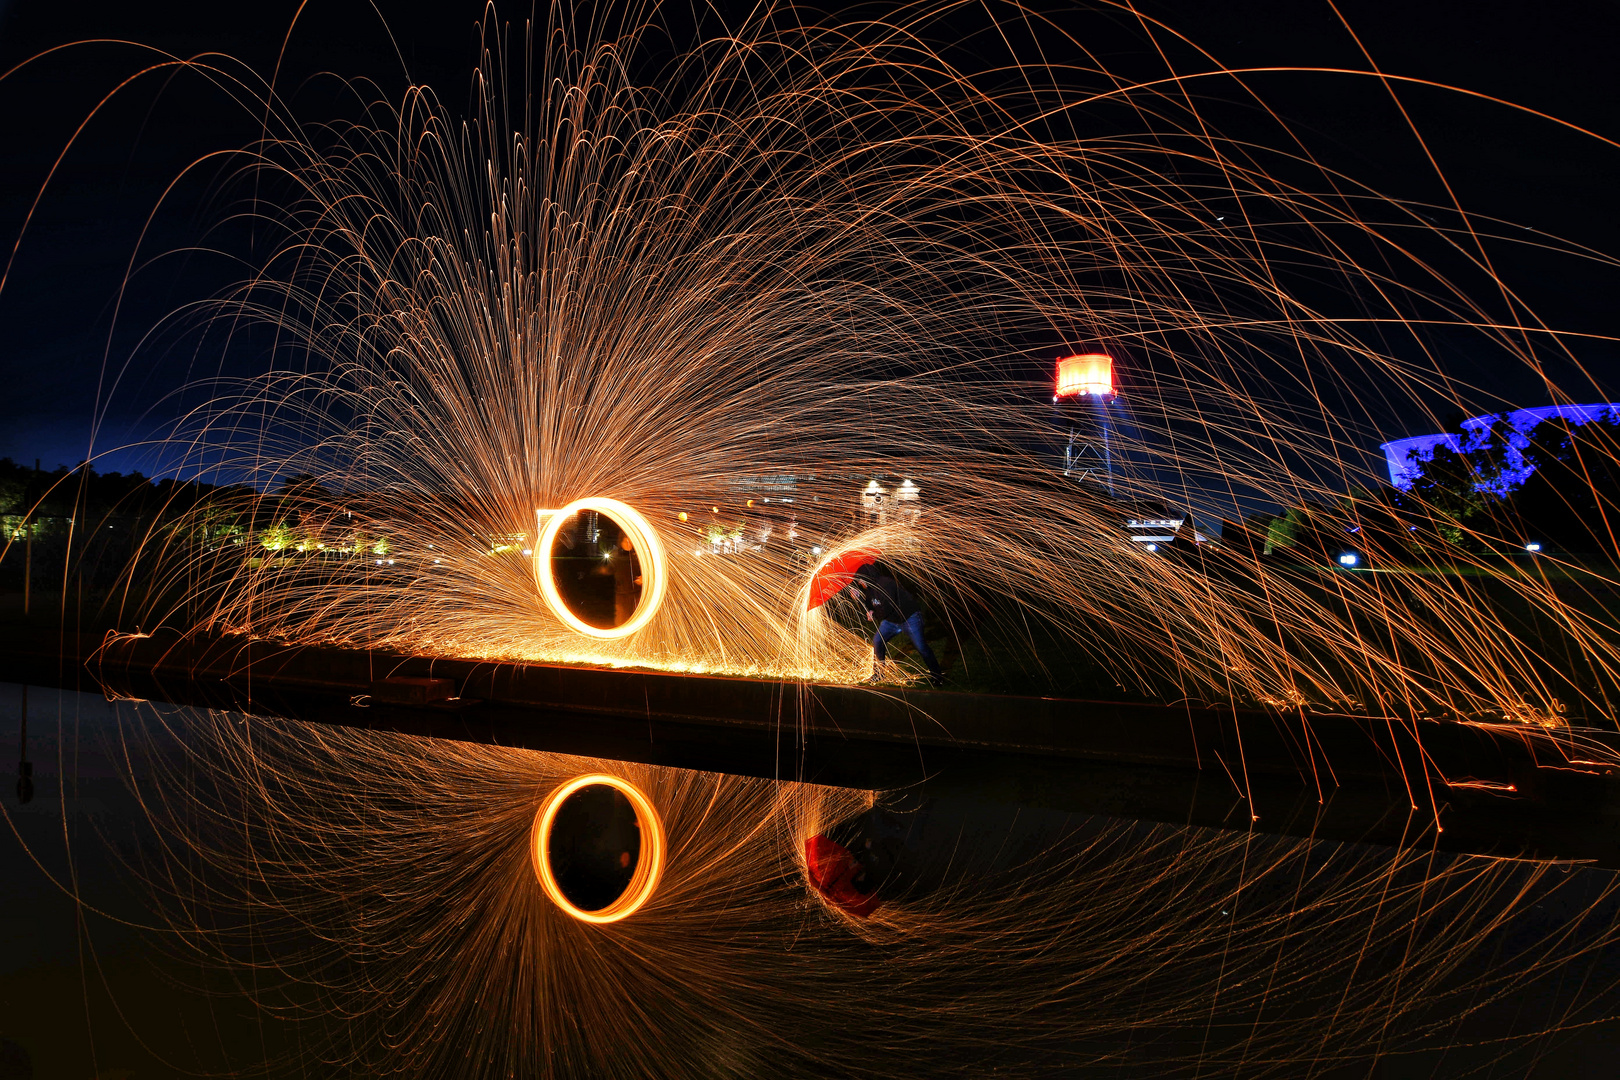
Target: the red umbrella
pixel 836 572
pixel 832 872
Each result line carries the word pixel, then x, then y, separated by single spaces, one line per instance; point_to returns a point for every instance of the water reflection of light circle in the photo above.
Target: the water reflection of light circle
pixel 649 549
pixel 649 862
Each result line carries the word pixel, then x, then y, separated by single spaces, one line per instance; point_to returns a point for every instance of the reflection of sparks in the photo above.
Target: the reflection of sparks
pixel 1483 785
pixel 467 969
pixel 649 864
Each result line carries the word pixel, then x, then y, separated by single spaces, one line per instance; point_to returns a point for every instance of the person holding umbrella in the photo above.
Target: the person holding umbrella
pixel 893 608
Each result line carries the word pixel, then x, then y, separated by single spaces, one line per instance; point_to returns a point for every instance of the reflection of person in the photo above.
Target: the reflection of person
pixel 891 606
pixel 858 864
pixel 914 846
pixel 833 871
pixel 626 582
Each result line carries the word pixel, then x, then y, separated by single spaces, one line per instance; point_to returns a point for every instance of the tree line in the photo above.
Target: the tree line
pixel 1470 499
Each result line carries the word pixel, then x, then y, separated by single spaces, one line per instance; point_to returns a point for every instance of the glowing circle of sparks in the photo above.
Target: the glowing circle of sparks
pixel 649 863
pixel 648 548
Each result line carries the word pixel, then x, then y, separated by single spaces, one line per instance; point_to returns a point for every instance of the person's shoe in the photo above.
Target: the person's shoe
pixel 871 680
pixel 936 681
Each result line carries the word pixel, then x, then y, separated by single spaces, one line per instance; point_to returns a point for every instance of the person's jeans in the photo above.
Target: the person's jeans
pixel 914 628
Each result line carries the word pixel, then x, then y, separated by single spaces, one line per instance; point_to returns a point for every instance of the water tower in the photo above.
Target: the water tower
pixel 1082 404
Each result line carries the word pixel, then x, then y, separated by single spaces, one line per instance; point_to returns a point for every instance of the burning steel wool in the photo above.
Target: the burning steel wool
pixel 681 330
pixel 640 370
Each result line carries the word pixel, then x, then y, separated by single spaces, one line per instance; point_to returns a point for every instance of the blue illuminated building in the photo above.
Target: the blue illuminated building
pixel 1407 457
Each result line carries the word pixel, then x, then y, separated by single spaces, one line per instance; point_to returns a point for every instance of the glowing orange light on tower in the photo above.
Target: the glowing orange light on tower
pixel 1089 373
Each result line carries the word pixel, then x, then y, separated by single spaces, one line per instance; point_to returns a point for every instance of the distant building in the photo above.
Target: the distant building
pixel 882 505
pixel 874 497
pixel 1154 530
pixel 1407 457
pixel 1153 524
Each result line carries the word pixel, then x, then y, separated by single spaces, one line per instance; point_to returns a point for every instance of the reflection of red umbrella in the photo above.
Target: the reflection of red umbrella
pixel 837 572
pixel 832 874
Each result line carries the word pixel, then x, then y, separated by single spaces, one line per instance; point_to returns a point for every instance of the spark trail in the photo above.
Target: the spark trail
pixel 823 254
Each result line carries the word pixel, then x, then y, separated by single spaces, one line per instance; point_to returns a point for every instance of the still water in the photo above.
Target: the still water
pixel 202 892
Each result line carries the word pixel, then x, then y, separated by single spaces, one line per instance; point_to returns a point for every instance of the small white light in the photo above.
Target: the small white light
pixel 815 551
pixel 1532 547
pixel 1153 547
pixel 390 562
pixel 1349 558
pixel 528 551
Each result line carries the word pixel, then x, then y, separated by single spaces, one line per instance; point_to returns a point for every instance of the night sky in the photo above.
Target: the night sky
pixel 57 305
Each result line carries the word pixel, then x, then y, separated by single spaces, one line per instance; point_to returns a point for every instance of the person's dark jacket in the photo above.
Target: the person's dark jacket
pixel 886 598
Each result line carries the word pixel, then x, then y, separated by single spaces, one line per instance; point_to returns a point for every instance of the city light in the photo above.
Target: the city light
pixel 1349 558
pixel 1532 548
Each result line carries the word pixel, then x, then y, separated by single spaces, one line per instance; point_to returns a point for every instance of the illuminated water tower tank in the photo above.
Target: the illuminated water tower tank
pixel 1082 399
pixel 1086 375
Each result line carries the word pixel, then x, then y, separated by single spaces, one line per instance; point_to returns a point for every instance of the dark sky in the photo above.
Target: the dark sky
pixel 56 308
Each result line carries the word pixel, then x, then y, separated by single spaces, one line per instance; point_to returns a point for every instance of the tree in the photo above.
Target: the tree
pixel 1311 532
pixel 1246 538
pixel 1449 499
pixel 1572 499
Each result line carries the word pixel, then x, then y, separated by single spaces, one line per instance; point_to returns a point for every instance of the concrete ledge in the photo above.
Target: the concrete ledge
pixel 1497 790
